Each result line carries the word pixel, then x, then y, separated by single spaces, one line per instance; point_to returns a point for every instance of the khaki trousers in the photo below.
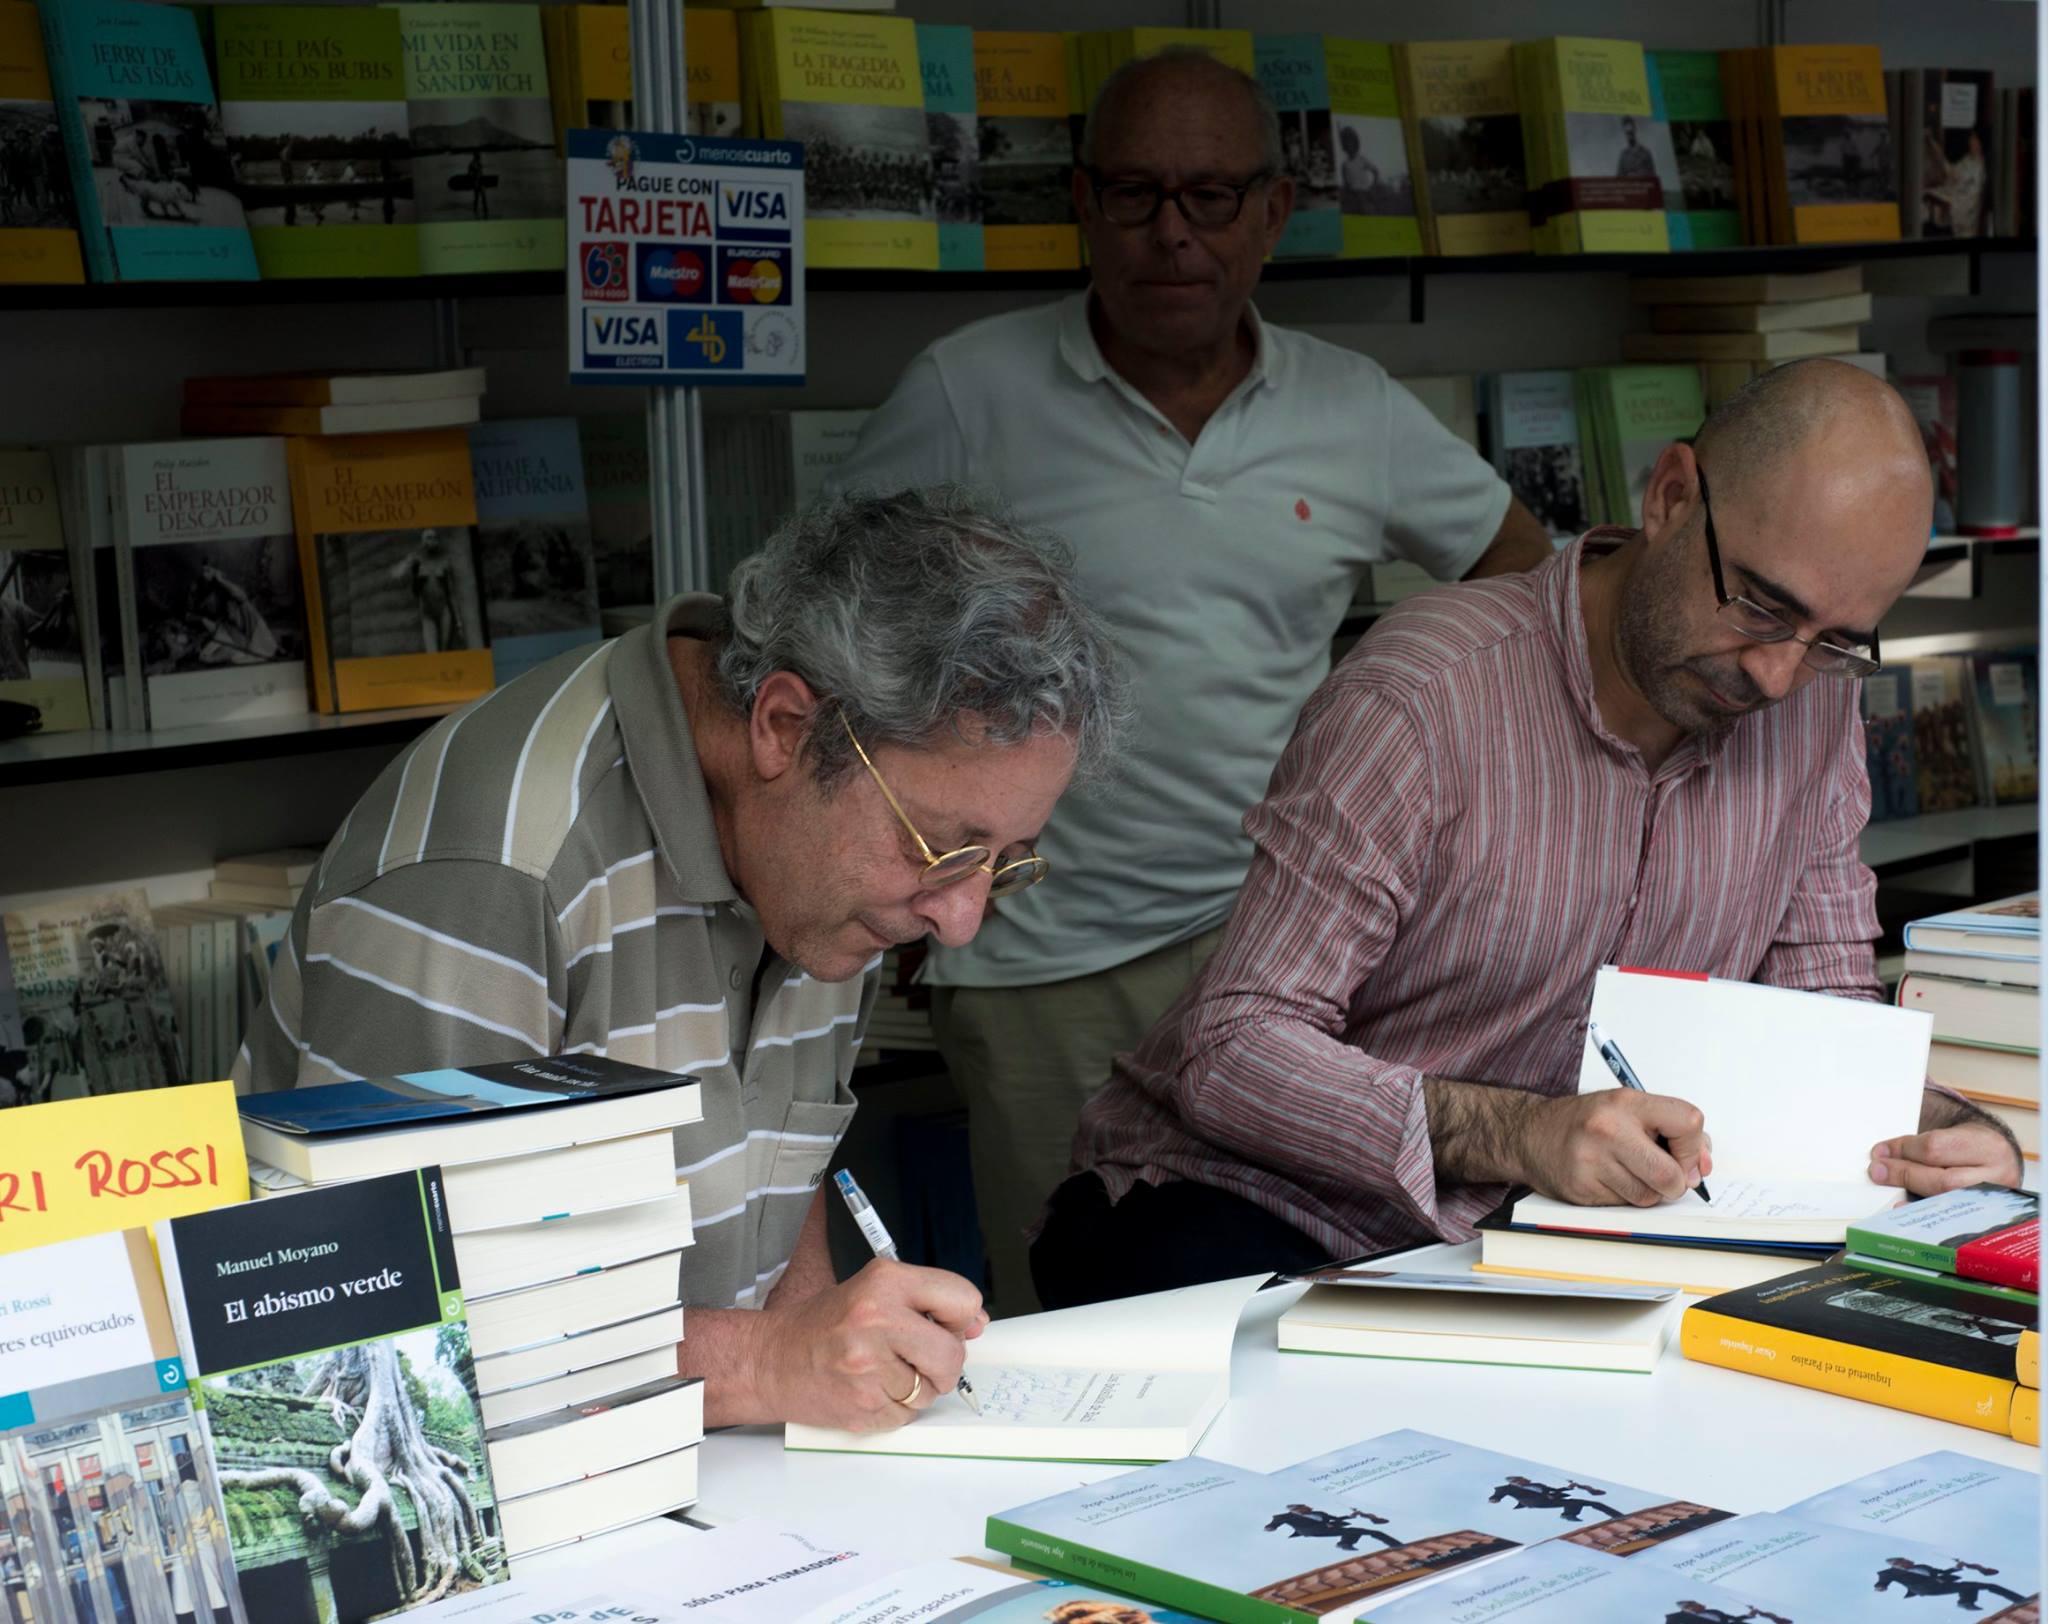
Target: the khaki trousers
pixel 1026 1059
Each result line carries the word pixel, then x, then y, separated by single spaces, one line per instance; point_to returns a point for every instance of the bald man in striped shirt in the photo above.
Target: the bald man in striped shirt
pixel 1647 751
pixel 688 848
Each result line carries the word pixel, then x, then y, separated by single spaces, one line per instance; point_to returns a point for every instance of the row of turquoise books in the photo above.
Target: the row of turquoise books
pixel 347 140
pixel 1948 731
pixel 185 582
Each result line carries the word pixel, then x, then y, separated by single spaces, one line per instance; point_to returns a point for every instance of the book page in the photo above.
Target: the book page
pixel 1757 1204
pixel 1190 1328
pixel 1792 1084
pixel 1065 1396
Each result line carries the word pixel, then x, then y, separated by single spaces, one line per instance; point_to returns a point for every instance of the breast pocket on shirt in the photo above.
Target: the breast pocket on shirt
pixel 810 1133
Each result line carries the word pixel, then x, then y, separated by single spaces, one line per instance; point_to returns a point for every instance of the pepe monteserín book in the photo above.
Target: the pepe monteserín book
pixel 325 1342
pixel 113 1505
pixel 149 162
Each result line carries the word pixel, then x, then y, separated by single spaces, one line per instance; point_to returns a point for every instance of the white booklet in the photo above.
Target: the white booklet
pixel 1795 1087
pixel 1135 1380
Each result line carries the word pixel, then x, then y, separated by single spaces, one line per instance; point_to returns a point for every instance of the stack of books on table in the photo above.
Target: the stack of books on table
pixel 1737 327
pixel 1977 971
pixel 333 403
pixel 569 1227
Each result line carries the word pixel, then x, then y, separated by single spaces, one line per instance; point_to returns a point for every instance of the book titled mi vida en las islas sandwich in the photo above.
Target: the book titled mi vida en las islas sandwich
pixel 330 1361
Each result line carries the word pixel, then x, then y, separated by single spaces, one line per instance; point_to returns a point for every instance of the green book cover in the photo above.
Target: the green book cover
pixel 1646 408
pixel 1375 190
pixel 313 103
pixel 487 183
pixel 945 54
pixel 1986 1232
pixel 1685 86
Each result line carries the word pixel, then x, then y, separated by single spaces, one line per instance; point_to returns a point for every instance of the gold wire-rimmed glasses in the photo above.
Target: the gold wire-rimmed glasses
pixel 948 868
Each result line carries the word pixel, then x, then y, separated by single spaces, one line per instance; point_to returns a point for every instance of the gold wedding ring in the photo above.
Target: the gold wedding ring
pixel 916 1387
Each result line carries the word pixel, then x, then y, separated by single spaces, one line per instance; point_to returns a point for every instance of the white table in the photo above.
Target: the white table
pixel 1734 1441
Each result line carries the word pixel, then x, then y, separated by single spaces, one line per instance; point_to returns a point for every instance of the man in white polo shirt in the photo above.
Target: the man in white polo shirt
pixel 1224 483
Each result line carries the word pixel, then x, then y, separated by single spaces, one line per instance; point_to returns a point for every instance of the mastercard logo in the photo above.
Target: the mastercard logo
pixel 759 280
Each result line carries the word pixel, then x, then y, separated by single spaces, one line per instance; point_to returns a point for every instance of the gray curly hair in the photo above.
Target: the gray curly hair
pixel 913 611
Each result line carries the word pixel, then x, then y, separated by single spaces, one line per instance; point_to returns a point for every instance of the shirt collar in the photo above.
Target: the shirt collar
pixel 661 750
pixel 1567 617
pixel 1085 360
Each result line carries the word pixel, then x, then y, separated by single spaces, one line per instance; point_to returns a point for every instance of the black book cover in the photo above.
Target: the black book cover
pixel 1910 1319
pixel 326 1346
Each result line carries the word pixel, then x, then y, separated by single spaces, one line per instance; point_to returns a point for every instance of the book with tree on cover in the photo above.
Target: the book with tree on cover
pixel 534 555
pixel 313 102
pixel 386 534
pixel 1027 158
pixel 1375 187
pixel 1986 1232
pixel 149 164
pixel 98 1438
pixel 850 89
pixel 1264 1548
pixel 1294 72
pixel 1462 121
pixel 41 661
pixel 1906 1344
pixel 328 1355
pixel 39 228
pixel 945 55
pixel 95 1002
pixel 1686 92
pixel 487 184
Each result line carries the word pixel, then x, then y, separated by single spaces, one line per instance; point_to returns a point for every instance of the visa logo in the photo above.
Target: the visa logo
pixel 754 210
pixel 621 333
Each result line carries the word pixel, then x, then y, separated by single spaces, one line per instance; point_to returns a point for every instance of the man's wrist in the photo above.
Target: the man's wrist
pixel 1941 1108
pixel 1478 1134
pixel 728 1348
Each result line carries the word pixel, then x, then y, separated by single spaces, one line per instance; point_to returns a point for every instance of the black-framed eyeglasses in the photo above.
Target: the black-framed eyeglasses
pixel 1201 203
pixel 1761 625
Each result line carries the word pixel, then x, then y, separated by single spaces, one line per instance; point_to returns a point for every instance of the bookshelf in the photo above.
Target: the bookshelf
pixel 1417 272
pixel 49 758
pixel 1914 840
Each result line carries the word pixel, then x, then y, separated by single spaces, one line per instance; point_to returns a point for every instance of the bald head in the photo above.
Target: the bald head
pixel 1784 417
pixel 1193 83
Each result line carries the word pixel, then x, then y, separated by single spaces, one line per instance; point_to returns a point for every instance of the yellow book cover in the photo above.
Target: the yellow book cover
pixel 1375 189
pixel 1538 160
pixel 850 87
pixel 40 660
pixel 386 527
pixel 1598 187
pixel 1459 107
pixel 2025 1420
pixel 1021 105
pixel 1838 168
pixel 119 1161
pixel 1231 46
pixel 590 69
pixel 1906 1344
pixel 39 222
pixel 2029 1359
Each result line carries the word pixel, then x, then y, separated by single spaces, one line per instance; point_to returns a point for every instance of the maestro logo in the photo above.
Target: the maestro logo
pixel 671 273
pixel 604 272
pixel 754 275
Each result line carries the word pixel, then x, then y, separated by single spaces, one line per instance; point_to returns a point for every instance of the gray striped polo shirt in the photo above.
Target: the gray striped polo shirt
pixel 539 874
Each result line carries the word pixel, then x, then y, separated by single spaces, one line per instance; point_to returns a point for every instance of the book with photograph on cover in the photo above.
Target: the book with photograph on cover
pixel 1025 171
pixel 96 1008
pixel 534 553
pixel 1375 191
pixel 114 1505
pixel 39 225
pixel 41 663
pixel 1294 73
pixel 945 54
pixel 1462 119
pixel 325 1342
pixel 213 622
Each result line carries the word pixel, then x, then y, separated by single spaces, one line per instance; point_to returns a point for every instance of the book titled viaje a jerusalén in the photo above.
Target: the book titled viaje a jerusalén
pixel 325 1342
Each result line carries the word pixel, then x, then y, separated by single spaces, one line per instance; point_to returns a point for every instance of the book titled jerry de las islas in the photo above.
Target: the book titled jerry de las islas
pixel 327 1350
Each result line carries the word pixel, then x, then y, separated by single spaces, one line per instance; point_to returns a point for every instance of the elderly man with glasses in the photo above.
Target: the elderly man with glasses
pixel 1224 483
pixel 689 848
pixel 1649 751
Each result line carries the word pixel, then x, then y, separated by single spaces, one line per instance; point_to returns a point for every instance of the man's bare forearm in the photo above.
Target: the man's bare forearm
pixel 1476 1132
pixel 724 1347
pixel 1940 1109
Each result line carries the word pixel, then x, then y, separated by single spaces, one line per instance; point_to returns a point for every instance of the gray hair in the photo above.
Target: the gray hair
pixel 1188 58
pixel 914 611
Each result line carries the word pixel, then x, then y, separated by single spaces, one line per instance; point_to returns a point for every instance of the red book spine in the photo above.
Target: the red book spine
pixel 2010 1257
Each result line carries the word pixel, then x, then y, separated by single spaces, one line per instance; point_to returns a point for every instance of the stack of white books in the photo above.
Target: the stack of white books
pixel 569 1227
pixel 1977 971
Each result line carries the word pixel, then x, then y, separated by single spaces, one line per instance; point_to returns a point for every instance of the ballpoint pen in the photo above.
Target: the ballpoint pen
pixel 876 1233
pixel 1625 1074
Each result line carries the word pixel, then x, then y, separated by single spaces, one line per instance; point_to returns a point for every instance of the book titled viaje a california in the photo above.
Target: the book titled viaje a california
pixel 539 574
pixel 39 227
pixel 487 183
pixel 313 101
pixel 325 1342
pixel 213 620
pixel 97 1434
pixel 149 163
pixel 386 536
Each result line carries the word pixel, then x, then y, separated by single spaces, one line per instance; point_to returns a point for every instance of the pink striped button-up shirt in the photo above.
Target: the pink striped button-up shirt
pixel 1452 845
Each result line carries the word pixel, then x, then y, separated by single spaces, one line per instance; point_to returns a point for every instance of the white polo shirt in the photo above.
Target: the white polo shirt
pixel 1223 569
